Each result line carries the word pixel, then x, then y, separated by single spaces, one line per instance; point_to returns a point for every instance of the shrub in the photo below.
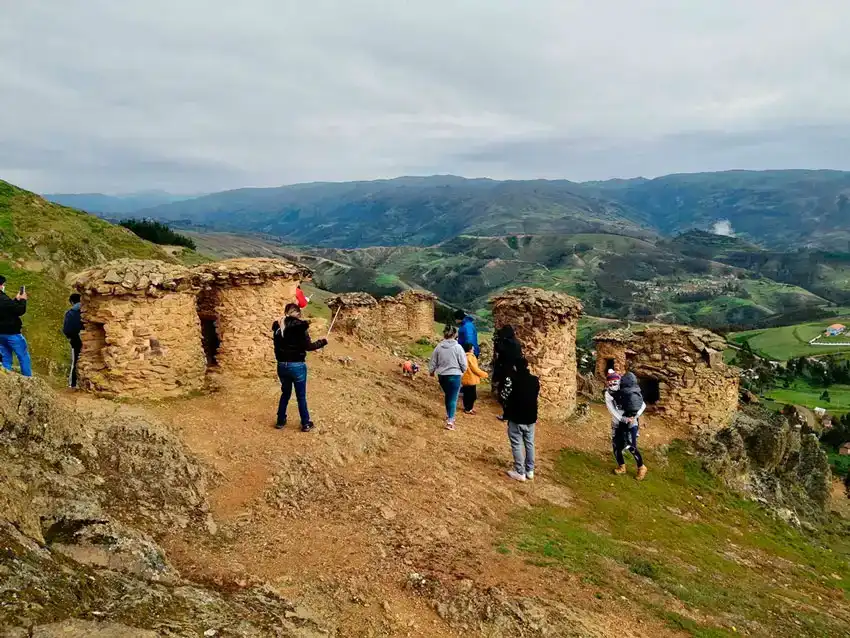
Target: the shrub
pixel 157 232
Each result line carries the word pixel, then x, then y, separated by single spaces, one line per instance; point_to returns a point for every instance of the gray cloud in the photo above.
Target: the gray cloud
pixel 201 95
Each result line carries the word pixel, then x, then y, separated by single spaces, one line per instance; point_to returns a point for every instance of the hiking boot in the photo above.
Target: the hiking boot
pixel 279 425
pixel 516 475
pixel 642 470
pixel 307 426
pixel 620 469
pixel 530 475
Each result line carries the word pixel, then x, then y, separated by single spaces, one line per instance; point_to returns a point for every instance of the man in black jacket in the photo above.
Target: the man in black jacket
pixel 521 415
pixel 291 345
pixel 71 328
pixel 11 339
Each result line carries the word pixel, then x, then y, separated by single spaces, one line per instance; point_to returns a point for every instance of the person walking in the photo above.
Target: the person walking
pixel 12 342
pixel 71 328
pixel 521 415
pixel 470 380
pixel 291 344
pixel 448 364
pixel 467 333
pixel 625 403
pixel 507 352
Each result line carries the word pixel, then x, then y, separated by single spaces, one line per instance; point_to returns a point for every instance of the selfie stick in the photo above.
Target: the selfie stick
pixel 333 322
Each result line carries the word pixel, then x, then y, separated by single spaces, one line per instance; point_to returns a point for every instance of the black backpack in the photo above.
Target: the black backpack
pixel 629 398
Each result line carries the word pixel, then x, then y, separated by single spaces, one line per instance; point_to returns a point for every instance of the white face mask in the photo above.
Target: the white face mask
pixel 613 387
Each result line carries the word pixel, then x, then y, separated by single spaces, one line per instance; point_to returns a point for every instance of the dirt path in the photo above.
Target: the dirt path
pixel 341 517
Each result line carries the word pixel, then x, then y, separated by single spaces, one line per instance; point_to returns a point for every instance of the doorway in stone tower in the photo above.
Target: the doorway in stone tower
pixel 210 338
pixel 650 389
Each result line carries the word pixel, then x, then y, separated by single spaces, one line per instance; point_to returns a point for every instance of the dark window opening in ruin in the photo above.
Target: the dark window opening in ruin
pixel 609 364
pixel 706 357
pixel 156 348
pixel 651 390
pixel 211 342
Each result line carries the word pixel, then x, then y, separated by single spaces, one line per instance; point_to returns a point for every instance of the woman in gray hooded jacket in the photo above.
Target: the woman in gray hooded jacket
pixel 448 363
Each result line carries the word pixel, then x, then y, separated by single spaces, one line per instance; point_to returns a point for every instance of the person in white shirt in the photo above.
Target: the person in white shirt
pixel 624 401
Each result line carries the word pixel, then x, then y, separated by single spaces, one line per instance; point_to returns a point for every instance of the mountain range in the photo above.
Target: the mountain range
pixel 115 205
pixel 777 209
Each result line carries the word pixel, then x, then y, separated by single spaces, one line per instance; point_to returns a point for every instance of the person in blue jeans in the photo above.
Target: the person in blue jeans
pixel 11 339
pixel 448 363
pixel 521 414
pixel 291 345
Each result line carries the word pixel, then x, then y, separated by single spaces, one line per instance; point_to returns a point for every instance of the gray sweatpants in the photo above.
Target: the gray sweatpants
pixel 522 446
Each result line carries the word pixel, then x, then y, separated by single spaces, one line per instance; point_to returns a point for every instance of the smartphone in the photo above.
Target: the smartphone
pixel 23 290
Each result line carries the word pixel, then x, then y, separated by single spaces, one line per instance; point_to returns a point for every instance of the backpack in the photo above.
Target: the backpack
pixel 629 397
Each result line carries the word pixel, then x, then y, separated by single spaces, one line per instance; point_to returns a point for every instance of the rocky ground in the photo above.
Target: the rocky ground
pixel 196 517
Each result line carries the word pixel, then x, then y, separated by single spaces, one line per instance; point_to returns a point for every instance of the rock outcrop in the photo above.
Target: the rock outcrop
pixel 81 499
pixel 773 459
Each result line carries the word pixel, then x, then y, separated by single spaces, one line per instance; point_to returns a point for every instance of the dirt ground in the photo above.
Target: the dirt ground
pixel 342 518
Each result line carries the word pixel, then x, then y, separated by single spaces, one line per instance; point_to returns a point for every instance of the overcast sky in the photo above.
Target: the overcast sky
pixel 205 95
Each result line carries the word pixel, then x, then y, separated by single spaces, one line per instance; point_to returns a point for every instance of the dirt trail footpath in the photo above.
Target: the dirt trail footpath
pixel 380 521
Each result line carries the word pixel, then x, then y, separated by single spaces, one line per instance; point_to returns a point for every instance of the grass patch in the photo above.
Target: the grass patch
pixel 789 342
pixel 681 534
pixel 801 393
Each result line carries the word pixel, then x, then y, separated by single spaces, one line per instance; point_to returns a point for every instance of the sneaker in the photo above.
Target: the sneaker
pixel 620 469
pixel 280 426
pixel 530 475
pixel 516 475
pixel 642 472
pixel 470 412
pixel 307 426
pixel 450 424
pixel 501 417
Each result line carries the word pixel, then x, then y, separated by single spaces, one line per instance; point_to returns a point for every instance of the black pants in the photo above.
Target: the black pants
pixel 76 348
pixel 624 437
pixel 469 394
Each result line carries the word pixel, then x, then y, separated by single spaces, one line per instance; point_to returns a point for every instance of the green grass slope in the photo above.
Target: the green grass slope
pixel 40 244
pixel 701 558
pixel 790 342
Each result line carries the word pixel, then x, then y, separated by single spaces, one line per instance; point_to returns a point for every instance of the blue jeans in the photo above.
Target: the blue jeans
pixel 450 383
pixel 18 345
pixel 521 437
pixel 292 374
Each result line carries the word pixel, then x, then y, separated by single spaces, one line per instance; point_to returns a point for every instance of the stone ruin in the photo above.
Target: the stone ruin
pixel 153 329
pixel 409 314
pixel 680 369
pixel 545 323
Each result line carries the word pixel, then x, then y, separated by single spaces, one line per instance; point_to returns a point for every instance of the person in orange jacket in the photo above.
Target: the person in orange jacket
pixel 301 298
pixel 470 380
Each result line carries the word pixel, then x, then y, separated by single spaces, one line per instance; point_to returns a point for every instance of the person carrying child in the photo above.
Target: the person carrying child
pixel 625 403
pixel 470 380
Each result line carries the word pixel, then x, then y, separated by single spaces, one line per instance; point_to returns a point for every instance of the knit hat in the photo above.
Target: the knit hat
pixel 612 376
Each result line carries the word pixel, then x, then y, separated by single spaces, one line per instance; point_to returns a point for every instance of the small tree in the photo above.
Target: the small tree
pixel 825 396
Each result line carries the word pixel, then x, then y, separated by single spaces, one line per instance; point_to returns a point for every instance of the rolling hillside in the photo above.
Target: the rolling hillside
pixel 114 205
pixel 41 243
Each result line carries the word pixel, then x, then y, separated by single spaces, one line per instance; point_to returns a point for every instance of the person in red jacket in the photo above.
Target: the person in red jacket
pixel 301 298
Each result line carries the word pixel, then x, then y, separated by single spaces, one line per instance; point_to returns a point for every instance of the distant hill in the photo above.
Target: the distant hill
pixel 405 211
pixel 40 244
pixel 114 205
pixel 779 209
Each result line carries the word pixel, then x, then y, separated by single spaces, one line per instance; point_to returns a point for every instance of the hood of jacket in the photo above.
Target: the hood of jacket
pixel 629 381
pixel 446 344
pixel 467 319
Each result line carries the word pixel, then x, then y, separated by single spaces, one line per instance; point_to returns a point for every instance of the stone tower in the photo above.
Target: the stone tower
pixel 545 324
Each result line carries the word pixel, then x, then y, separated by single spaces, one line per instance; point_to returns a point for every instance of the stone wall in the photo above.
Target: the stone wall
pixel 142 346
pixel 685 365
pixel 545 324
pixel 244 317
pixel 611 349
pixel 409 314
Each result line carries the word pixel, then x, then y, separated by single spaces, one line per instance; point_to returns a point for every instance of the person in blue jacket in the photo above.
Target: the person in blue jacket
pixel 467 333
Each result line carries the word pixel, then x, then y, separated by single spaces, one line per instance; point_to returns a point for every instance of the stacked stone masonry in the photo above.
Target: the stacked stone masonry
pixel 681 371
pixel 545 323
pixel 146 323
pixel 409 314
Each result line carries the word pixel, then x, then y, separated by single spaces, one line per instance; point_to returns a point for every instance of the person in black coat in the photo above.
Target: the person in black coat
pixel 71 328
pixel 291 345
pixel 521 415
pixel 12 342
pixel 507 352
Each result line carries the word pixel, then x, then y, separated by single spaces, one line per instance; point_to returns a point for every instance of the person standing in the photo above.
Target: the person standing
pixel 448 363
pixel 11 339
pixel 521 415
pixel 291 345
pixel 470 380
pixel 301 298
pixel 467 333
pixel 625 403
pixel 71 328
pixel 507 352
